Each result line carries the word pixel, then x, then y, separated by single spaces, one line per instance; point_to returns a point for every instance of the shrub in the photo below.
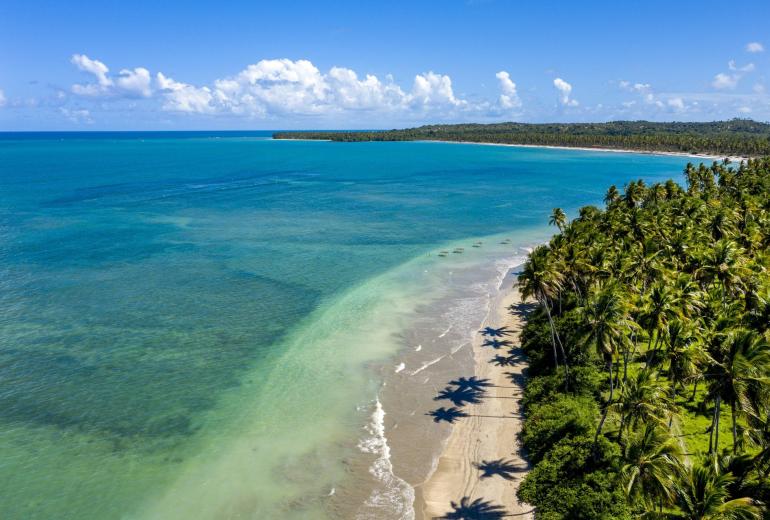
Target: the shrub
pixel 576 480
pixel 548 422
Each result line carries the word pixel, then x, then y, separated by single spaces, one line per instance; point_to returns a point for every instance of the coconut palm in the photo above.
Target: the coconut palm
pixel 542 279
pixel 652 463
pixel 558 218
pixel 742 371
pixel 644 399
pixel 703 494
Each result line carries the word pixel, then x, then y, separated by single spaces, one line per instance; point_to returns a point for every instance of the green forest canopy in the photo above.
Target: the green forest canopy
pixel 742 137
pixel 648 392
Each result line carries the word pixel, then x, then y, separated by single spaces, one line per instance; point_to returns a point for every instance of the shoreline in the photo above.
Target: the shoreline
pixel 732 158
pixel 490 433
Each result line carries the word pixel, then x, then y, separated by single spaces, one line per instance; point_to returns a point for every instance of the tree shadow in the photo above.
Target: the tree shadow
pixel 496 343
pixel 460 396
pixel 473 382
pixel 522 310
pixel 496 333
pixel 478 509
pixel 450 415
pixel 517 379
pixel 503 468
pixel 503 361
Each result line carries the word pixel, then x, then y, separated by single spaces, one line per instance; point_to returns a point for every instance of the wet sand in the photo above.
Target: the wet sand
pixel 481 458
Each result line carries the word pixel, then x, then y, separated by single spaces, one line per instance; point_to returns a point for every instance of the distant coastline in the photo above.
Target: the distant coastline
pixel 737 138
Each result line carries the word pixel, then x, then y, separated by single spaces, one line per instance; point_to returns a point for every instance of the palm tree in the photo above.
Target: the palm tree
pixel 703 494
pixel 542 279
pixel 742 372
pixel 652 463
pixel 643 399
pixel 606 321
pixel 558 218
pixel 655 316
pixel 723 264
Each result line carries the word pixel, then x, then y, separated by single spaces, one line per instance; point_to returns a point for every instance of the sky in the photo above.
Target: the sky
pixel 149 65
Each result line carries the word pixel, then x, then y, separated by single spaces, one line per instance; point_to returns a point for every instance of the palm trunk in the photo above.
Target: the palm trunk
pixel 561 347
pixel 553 337
pixel 649 349
pixel 694 390
pixel 735 430
pixel 717 413
pixel 606 406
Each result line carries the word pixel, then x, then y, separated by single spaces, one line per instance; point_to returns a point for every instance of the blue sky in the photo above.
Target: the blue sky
pixel 266 65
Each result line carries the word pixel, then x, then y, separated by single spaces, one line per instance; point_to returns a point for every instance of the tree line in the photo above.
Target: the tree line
pixel 741 137
pixel 649 384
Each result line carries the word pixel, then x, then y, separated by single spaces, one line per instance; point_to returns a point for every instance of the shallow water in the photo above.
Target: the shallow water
pixel 201 324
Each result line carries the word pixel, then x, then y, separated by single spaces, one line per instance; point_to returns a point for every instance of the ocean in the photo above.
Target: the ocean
pixel 220 325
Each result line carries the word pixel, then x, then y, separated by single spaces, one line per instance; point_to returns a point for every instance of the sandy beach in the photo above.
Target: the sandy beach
pixel 481 458
pixel 701 156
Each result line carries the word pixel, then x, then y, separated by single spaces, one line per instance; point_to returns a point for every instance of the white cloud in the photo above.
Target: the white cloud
pixel 635 87
pixel 3 99
pixel 95 67
pixel 276 87
pixel 368 93
pixel 754 47
pixel 744 110
pixel 135 81
pixel 433 89
pixel 565 90
pixel 746 68
pixel 509 98
pixel 676 103
pixel 725 81
pixel 183 97
pixel 128 83
pixel 77 115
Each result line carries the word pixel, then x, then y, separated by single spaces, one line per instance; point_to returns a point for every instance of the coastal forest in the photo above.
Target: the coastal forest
pixel 649 349
pixel 738 137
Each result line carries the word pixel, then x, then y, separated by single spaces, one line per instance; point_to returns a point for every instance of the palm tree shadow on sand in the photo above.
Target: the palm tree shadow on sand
pixel 522 309
pixel 478 509
pixel 450 415
pixel 492 332
pixel 460 396
pixel 496 343
pixel 506 469
pixel 473 382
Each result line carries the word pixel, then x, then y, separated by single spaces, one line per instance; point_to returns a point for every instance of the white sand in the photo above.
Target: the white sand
pixel 489 434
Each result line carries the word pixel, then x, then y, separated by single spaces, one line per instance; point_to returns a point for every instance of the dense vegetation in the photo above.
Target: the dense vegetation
pixel 736 137
pixel 649 389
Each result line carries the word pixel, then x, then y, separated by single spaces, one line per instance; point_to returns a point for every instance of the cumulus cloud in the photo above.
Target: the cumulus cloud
pixel 299 87
pixel 183 97
pixel 509 97
pixel 724 81
pixel 3 100
pixel 676 103
pixel 565 91
pixel 129 82
pixel 436 89
pixel 136 81
pixel 754 47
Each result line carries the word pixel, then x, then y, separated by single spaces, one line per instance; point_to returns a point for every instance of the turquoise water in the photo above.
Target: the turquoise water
pixel 189 320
